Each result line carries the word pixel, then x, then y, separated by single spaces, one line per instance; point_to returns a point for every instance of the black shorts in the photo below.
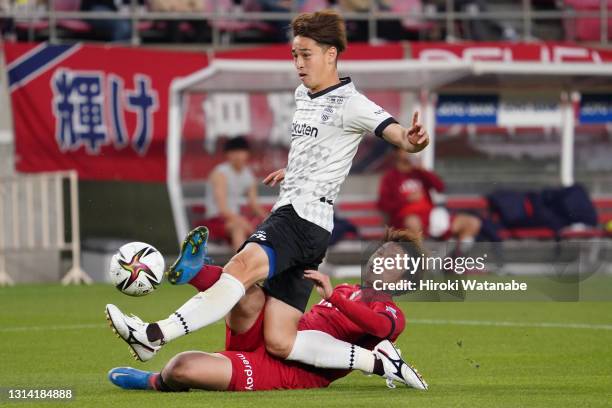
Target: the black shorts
pixel 299 245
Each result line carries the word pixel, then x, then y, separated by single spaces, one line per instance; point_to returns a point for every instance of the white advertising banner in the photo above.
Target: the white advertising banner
pixel 529 110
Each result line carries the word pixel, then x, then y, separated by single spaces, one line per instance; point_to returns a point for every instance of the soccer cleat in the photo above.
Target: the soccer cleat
pixel 191 259
pixel 134 332
pixel 130 378
pixel 396 369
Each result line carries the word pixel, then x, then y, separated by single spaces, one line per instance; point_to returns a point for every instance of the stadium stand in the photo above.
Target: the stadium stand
pixel 248 21
pixel 362 212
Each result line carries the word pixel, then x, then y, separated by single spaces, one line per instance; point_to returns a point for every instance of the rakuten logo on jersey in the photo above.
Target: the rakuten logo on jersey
pixel 248 371
pixel 303 129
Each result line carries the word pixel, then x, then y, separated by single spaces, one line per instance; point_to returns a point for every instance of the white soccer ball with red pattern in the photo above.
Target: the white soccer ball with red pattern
pixel 137 269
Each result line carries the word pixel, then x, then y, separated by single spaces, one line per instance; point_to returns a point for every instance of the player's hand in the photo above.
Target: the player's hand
pixel 417 137
pixel 322 283
pixel 274 177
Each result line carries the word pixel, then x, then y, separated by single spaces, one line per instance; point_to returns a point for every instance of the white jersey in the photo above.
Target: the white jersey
pixel 326 131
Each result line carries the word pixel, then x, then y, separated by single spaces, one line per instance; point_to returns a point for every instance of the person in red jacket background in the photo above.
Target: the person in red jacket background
pixel 405 198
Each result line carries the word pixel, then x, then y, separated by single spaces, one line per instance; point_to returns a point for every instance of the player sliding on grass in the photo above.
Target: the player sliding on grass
pixel 330 120
pixel 363 316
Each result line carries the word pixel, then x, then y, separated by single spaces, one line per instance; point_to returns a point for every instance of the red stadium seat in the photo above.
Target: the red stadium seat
pixel 586 28
pixel 76 26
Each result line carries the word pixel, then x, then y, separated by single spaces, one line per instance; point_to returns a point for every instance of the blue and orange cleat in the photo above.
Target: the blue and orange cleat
pixel 191 259
pixel 130 378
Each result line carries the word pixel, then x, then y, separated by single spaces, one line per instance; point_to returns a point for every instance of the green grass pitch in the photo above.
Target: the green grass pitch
pixel 472 354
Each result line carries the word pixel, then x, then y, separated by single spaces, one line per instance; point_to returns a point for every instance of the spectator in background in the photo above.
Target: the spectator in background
pixel 229 184
pixel 174 28
pixel 6 24
pixel 116 30
pixel 478 28
pixel 280 26
pixel 404 196
pixel 357 30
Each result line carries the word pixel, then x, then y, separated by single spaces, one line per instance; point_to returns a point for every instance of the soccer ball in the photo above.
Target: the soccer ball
pixel 137 268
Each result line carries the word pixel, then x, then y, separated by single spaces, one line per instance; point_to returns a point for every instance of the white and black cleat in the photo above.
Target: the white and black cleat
pixel 396 369
pixel 133 331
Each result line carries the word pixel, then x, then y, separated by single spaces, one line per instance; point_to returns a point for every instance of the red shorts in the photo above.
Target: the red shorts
pixel 254 369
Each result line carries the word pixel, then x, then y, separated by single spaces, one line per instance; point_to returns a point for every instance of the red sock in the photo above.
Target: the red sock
pixel 153 379
pixel 207 276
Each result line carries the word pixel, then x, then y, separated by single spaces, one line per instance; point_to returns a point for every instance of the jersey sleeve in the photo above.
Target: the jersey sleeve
pixel 361 115
pixel 394 314
pixel 371 318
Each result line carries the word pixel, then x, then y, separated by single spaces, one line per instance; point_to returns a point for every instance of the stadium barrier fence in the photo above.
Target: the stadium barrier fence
pixel 32 217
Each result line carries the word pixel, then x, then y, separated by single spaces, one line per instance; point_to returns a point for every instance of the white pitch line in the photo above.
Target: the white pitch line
pixel 546 325
pixel 61 327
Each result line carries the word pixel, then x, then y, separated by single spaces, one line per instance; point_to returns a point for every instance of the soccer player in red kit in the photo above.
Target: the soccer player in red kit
pixel 364 317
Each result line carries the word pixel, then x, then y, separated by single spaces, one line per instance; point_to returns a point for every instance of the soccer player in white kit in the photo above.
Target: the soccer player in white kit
pixel 330 120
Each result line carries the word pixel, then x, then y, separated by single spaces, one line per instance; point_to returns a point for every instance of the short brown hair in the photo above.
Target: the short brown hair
pixel 413 244
pixel 325 27
pixel 401 235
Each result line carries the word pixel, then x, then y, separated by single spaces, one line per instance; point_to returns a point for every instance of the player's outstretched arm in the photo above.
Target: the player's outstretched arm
pixel 370 321
pixel 413 139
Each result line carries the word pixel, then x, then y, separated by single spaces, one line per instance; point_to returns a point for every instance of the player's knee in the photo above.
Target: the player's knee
pixel 475 224
pixel 178 370
pixel 248 266
pixel 237 266
pixel 279 346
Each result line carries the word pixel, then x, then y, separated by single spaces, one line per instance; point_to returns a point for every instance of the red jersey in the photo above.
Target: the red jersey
pixel 356 317
pixel 352 315
pixel 402 194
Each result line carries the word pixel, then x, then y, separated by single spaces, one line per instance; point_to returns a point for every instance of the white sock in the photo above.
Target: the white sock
pixel 204 308
pixel 322 350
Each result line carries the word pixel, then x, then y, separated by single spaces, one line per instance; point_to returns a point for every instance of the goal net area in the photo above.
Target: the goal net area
pixel 510 122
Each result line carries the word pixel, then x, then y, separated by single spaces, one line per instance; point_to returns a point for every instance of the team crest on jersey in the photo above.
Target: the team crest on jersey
pixel 391 310
pixel 259 235
pixel 327 113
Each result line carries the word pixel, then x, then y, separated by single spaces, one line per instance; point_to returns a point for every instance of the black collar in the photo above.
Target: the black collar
pixel 343 81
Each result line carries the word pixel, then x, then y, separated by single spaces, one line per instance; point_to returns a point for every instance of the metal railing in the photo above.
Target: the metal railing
pixel 32 219
pixel 447 19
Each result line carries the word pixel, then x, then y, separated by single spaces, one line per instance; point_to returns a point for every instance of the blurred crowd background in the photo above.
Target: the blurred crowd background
pixel 226 22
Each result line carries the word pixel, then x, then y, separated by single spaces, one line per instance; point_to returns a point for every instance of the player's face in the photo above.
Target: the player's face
pixel 238 158
pixel 315 64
